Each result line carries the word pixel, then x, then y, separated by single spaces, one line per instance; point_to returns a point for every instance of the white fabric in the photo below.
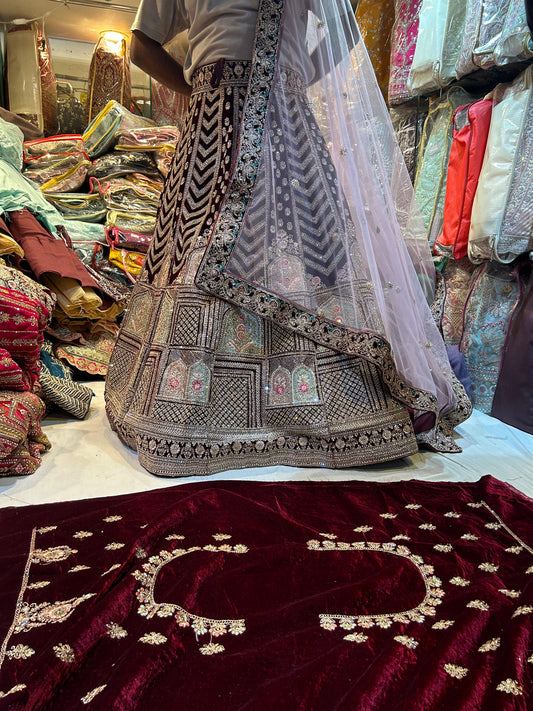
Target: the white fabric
pixel 86 461
pixel 424 74
pixel 209 39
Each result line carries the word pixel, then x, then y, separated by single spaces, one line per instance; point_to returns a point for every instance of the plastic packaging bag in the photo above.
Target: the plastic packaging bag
pixel 132 222
pixel 87 207
pixel 100 134
pixel 122 162
pixel 66 143
pixel 66 174
pixel 147 139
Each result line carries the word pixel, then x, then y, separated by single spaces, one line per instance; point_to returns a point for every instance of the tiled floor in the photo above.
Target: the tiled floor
pixel 87 460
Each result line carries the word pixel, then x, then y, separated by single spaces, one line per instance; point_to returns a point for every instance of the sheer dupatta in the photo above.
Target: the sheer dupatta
pixel 319 230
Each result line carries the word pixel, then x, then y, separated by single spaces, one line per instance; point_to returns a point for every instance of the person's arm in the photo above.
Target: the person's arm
pixel 152 58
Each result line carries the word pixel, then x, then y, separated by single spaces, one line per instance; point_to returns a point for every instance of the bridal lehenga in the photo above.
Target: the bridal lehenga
pixel 282 314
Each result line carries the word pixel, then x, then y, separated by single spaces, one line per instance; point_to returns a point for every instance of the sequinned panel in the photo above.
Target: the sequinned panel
pixel 351 389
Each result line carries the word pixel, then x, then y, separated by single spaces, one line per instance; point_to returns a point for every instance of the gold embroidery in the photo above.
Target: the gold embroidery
pixel 470 537
pixel 452 514
pixel 357 637
pixel 479 605
pixel 52 555
pixel 413 506
pixel 109 570
pixel 78 568
pixel 40 584
pixel 140 553
pixel 331 536
pixel 153 638
pixel 388 515
pixel 115 631
pixel 477 505
pixel 409 642
pixel 493 526
pixel 530 659
pixel 523 610
pixel 510 686
pixel 13 690
pixel 82 534
pixel 174 537
pixel 461 582
pixel 363 529
pixel 456 671
pixel 212 648
pixel 112 519
pixel 65 653
pixel 114 546
pixel 38 614
pixel 20 651
pixel 90 696
pixel 433 596
pixel 46 529
pixel 503 525
pixel 514 549
pixel 427 527
pixel 489 567
pixel 529 570
pixel 510 593
pixel 221 536
pixel 491 646
pixel 443 548
pixel 443 624
pixel 401 537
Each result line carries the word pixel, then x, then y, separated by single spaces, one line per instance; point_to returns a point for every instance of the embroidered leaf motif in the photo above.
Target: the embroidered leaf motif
pixel 489 567
pixel 452 514
pixel 52 555
pixel 40 584
pixel 523 610
pixel 112 519
pixel 140 553
pixel 461 582
pixel 510 686
pixel 427 527
pixel 363 529
pixel 331 536
pixel 82 534
pixel 92 694
pixel 212 648
pixel 443 624
pixel 65 653
pixel 174 537
pixel 13 690
pixel 529 571
pixel 469 537
pixel 388 515
pixel 510 593
pixel 514 549
pixel 493 526
pixel 413 506
pixel 20 651
pixel 476 505
pixel 45 529
pixel 109 570
pixel 357 637
pixel 153 638
pixel 78 568
pixel 328 623
pixel 115 631
pixel 114 546
pixel 38 614
pixel 221 536
pixel 409 642
pixel 490 646
pixel 455 671
pixel 479 605
pixel 401 537
pixel 443 548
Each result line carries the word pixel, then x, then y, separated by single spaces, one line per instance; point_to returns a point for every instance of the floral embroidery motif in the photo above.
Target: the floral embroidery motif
pixel 20 651
pixel 413 506
pixel 476 505
pixel 409 642
pixel 112 519
pixel 469 537
pixel 510 593
pixel 455 671
pixel 149 607
pixel 212 648
pixel 82 534
pixel 357 637
pixel 198 383
pixel 331 536
pixel 153 638
pixel 65 653
pixel 13 690
pixel 279 389
pixel 110 570
pixel 92 694
pixel 479 605
pixel 38 614
pixel 114 546
pixel 363 529
pixel 443 624
pixel 491 646
pixel 443 548
pixel 304 385
pixel 78 568
pixel 461 582
pixel 221 536
pixel 489 567
pixel 523 610
pixel 530 659
pixel 140 553
pixel 427 527
pixel 388 515
pixel 40 584
pixel 514 549
pixel 115 631
pixel 529 570
pixel 493 526
pixel 401 537
pixel 510 686
pixel 52 555
pixel 452 514
pixel 174 537
pixel 46 529
pixel 434 591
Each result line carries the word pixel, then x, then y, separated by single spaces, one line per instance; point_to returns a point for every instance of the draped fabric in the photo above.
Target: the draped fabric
pixel 375 20
pixel 325 596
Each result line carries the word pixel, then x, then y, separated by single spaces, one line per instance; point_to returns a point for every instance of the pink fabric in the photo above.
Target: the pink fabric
pixel 404 35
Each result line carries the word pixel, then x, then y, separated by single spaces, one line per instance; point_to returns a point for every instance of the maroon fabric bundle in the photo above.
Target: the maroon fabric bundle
pixel 300 596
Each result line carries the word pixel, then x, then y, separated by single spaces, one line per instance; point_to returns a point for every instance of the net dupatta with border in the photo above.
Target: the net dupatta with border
pixel 319 229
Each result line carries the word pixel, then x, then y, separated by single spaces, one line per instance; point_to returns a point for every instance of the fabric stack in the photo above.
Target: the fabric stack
pixel 471 164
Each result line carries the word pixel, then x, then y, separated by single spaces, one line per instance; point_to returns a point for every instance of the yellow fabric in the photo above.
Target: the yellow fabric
pixel 375 19
pixel 9 246
pixel 130 262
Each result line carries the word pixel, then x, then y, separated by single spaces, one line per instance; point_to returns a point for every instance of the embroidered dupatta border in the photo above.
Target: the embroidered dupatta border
pixel 211 276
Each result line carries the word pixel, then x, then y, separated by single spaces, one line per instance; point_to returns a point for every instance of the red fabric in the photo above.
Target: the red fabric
pixel 44 253
pixel 104 602
pixel 466 158
pixel 22 440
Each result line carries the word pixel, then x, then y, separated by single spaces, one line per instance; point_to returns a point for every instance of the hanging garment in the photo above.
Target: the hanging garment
pixel 490 32
pixel 170 107
pixel 515 43
pixel 23 74
pixel 408 122
pixel 465 62
pixel 48 84
pixel 427 69
pixel 375 21
pixel 513 398
pixel 457 279
pixel 430 181
pixel 109 74
pixel 279 317
pixel 502 211
pixel 494 295
pixel 403 43
pixel 471 126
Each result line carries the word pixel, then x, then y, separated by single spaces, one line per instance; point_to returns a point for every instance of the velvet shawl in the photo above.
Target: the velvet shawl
pixel 290 596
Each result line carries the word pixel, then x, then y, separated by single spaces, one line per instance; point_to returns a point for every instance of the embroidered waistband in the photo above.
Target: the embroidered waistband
pixel 221 74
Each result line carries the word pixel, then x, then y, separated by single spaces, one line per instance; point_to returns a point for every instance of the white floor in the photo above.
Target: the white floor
pixel 87 461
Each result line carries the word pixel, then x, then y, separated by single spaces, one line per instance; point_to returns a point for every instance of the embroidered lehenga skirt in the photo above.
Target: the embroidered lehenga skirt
pixel 197 385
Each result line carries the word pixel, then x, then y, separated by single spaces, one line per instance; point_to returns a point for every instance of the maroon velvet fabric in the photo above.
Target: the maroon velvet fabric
pixel 435 582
